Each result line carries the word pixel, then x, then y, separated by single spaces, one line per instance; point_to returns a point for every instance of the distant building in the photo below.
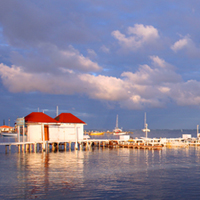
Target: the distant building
pixel 6 129
pixel 38 127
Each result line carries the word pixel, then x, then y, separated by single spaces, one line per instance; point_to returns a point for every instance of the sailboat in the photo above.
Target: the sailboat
pixel 146 130
pixel 118 131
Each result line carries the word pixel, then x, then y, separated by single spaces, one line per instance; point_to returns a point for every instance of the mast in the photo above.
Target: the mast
pixel 146 130
pixel 116 122
pixel 57 111
pixel 145 119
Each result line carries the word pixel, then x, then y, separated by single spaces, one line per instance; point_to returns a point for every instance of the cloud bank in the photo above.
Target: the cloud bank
pixel 149 86
pixel 131 57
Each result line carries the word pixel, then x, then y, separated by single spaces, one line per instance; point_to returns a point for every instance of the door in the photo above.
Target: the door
pixel 46 132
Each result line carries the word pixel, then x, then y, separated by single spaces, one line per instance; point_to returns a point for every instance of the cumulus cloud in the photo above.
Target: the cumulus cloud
pixel 138 36
pixel 16 80
pixel 49 57
pixel 149 86
pixel 186 44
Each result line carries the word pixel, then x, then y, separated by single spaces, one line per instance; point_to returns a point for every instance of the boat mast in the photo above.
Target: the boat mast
pixel 116 122
pixel 146 130
pixel 56 110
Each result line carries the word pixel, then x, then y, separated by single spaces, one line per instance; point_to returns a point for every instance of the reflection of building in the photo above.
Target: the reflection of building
pixel 37 127
pixel 49 172
pixel 6 129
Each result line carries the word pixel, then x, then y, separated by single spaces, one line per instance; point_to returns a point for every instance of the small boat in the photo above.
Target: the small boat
pixel 85 137
pixel 9 134
pixel 118 131
pixel 96 133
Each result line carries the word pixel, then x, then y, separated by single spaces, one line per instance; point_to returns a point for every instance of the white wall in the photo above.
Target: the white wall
pixel 65 132
pixel 34 133
pixel 62 132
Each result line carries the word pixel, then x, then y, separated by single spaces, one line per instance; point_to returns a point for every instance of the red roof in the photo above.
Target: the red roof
pixel 68 118
pixel 5 126
pixel 39 117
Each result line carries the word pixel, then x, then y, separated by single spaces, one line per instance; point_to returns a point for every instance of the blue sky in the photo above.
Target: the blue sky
pixel 97 59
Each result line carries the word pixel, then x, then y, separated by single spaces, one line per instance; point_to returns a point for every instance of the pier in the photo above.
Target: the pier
pixel 142 143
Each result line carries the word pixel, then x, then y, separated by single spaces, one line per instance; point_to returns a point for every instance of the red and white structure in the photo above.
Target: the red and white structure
pixel 39 127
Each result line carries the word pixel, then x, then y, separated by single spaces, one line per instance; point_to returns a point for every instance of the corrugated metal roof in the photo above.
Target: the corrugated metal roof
pixel 68 118
pixel 39 117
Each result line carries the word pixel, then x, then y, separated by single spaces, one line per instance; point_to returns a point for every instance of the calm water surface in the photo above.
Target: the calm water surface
pixel 102 174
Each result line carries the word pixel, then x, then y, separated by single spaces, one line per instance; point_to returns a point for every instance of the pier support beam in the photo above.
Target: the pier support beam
pixel 70 146
pixel 46 146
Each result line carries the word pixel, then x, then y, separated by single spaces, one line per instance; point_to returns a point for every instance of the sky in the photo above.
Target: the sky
pixel 99 59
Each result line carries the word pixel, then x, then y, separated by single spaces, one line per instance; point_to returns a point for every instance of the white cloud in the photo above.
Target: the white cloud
pixel 139 35
pixel 105 49
pixel 182 43
pixel 16 80
pixel 104 87
pixel 50 58
pixel 187 44
pixel 72 59
pixel 149 86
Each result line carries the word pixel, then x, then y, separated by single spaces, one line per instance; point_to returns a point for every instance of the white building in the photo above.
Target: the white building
pixel 39 127
pixel 71 128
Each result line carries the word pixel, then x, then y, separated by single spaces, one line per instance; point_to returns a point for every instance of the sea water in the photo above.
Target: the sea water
pixel 103 173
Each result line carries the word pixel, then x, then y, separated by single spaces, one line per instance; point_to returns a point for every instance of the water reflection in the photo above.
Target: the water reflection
pixel 39 174
pixel 103 173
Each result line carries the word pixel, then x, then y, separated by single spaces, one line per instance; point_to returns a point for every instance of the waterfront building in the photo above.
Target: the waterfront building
pixel 6 129
pixel 38 126
pixel 71 128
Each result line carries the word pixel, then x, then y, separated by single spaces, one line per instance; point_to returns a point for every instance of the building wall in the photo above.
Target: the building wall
pixel 34 133
pixel 65 132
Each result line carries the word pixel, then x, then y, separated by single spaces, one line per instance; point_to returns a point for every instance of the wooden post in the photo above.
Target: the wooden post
pixel 18 133
pixel 46 146
pixel 52 147
pixel 58 146
pixel 76 132
pixel 65 146
pixel 70 146
pixel 23 133
pixel 86 146
pixel 23 147
pixel 81 146
pixel 35 147
pixel 27 147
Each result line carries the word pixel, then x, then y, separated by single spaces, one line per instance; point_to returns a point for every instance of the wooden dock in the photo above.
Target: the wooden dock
pixel 150 144
pixel 82 145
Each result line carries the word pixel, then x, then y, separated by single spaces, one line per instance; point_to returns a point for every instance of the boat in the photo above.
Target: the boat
pixel 118 131
pixel 9 134
pixel 85 137
pixel 96 133
pixel 146 130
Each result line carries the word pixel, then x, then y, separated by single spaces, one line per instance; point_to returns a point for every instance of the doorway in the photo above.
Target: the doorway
pixel 46 132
